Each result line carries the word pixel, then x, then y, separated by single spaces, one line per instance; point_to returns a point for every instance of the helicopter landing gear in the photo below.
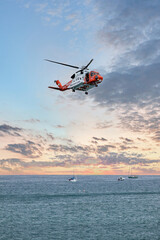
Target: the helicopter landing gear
pixel 96 85
pixel 73 90
pixel 86 93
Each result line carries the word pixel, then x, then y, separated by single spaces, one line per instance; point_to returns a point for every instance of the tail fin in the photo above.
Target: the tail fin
pixel 59 84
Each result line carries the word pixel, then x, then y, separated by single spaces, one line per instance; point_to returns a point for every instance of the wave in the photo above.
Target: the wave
pixel 69 195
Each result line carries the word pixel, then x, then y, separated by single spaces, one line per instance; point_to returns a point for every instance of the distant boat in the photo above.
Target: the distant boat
pixel 131 176
pixel 121 179
pixel 73 179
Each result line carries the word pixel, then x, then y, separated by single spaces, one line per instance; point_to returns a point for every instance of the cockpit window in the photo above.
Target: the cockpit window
pixel 94 73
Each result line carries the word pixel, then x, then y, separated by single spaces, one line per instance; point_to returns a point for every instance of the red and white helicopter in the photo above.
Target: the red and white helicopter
pixel 82 80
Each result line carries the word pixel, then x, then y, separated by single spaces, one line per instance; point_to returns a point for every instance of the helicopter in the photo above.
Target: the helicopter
pixel 82 80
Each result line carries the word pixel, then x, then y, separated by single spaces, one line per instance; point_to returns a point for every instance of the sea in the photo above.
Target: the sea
pixel 94 207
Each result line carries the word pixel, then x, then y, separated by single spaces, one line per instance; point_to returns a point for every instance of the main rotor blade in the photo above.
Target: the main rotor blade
pixel 88 64
pixel 61 63
pixel 83 68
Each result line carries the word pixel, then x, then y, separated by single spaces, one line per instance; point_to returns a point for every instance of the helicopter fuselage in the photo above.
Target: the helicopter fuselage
pixel 81 81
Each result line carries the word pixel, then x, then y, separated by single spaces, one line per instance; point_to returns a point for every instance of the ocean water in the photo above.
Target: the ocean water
pixel 94 207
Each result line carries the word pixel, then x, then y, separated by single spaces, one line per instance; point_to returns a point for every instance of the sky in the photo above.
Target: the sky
pixel 116 127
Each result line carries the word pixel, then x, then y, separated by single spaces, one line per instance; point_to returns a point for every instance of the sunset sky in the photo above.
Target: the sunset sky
pixel 117 125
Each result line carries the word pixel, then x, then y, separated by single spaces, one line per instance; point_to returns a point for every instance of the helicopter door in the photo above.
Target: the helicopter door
pixel 87 77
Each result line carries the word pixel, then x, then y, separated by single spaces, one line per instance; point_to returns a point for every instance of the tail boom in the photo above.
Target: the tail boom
pixel 60 87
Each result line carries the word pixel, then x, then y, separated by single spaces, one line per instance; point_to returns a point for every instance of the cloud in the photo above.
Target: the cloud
pixel 144 119
pixel 29 149
pixel 71 16
pixel 134 86
pixel 66 148
pixel 40 7
pixel 111 159
pixel 82 153
pixel 27 5
pixel 32 120
pixel 148 170
pixel 7 129
pixel 134 94
pixel 59 126
pixel 128 24
pixel 99 139
pixel 126 147
pixel 103 125
pixel 11 164
pixel 156 136
pixel 104 148
pixel 122 158
pixel 49 135
pixel 126 140
pixel 146 54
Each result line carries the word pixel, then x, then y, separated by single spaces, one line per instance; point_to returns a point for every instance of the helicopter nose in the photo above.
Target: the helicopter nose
pixel 100 77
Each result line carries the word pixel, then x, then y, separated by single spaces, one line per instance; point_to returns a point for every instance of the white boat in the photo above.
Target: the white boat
pixel 73 179
pixel 121 179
